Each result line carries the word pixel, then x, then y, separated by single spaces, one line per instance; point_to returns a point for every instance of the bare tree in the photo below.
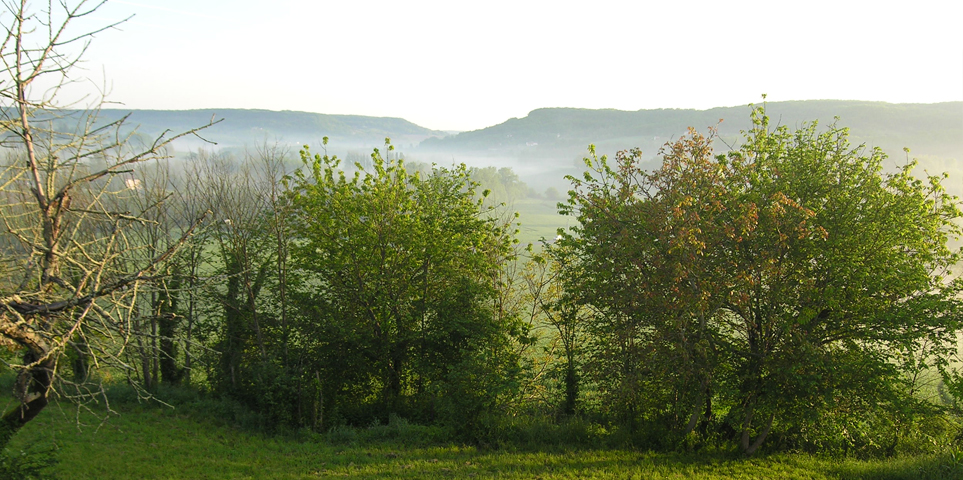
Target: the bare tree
pixel 245 260
pixel 150 196
pixel 69 280
pixel 193 198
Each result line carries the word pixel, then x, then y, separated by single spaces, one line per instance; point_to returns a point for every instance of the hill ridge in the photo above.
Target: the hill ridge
pixel 935 128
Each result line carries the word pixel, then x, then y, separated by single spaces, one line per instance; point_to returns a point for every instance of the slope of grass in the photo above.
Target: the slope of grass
pixel 539 219
pixel 154 442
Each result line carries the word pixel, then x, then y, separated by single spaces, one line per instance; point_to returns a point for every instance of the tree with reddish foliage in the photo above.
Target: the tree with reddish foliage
pixel 784 281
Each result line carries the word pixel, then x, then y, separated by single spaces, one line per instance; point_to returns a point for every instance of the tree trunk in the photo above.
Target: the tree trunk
pixel 571 387
pixel 32 387
pixel 317 417
pixel 750 448
pixel 170 374
pixel 78 362
pixel 154 351
pixel 167 322
pixel 187 343
pixel 145 360
pixel 395 374
pixel 707 415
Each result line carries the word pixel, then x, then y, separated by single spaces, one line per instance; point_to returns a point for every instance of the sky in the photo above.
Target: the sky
pixel 465 64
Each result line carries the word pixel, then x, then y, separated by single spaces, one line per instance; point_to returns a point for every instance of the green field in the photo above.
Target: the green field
pixel 539 219
pixel 149 441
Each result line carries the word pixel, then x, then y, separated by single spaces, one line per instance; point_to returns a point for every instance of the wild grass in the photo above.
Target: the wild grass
pixel 539 219
pixel 193 441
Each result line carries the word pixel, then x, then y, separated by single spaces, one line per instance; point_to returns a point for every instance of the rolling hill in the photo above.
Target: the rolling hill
pixel 249 127
pixel 930 130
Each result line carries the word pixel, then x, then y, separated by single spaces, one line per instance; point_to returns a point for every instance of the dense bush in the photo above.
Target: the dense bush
pixel 789 286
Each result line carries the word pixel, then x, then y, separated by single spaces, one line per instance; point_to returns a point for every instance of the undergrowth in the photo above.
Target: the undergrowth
pixel 183 433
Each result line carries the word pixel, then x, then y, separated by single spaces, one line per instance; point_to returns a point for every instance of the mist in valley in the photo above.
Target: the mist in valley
pixel 544 148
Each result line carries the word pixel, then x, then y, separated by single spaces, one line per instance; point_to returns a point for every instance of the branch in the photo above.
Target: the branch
pixel 159 143
pixel 27 308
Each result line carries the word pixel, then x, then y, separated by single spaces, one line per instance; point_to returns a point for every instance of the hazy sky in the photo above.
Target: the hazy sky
pixel 462 65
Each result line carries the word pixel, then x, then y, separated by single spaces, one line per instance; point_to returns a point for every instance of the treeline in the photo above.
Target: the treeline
pixel 504 186
pixel 787 289
pixel 320 298
pixel 788 293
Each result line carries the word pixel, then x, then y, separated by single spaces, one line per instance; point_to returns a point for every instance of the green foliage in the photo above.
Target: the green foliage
pixel 397 430
pixel 503 184
pixel 772 288
pixel 400 271
pixel 32 462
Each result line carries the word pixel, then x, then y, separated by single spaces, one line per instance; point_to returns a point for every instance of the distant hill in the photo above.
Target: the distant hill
pixel 929 130
pixel 561 135
pixel 249 127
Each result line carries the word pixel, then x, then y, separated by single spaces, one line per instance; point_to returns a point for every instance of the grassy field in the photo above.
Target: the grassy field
pixel 154 442
pixel 539 219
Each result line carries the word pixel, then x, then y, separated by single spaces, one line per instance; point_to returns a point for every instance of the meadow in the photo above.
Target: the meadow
pixel 196 440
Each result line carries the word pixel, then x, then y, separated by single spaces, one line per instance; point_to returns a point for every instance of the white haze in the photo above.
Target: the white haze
pixel 467 65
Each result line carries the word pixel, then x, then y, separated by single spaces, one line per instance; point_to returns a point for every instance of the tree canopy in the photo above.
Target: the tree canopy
pixel 401 272
pixel 779 285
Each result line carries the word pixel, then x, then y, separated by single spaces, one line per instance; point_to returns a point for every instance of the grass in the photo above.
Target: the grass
pixel 154 442
pixel 539 219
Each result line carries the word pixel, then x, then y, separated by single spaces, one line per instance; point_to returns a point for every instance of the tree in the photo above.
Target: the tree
pixel 155 317
pixel 191 202
pixel 248 318
pixel 68 279
pixel 781 279
pixel 502 184
pixel 641 257
pixel 556 308
pixel 401 275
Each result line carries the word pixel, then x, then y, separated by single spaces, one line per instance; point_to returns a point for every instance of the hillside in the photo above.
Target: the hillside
pixel 248 127
pixel 559 136
pixel 930 130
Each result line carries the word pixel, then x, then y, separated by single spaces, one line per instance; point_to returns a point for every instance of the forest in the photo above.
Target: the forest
pixel 785 292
